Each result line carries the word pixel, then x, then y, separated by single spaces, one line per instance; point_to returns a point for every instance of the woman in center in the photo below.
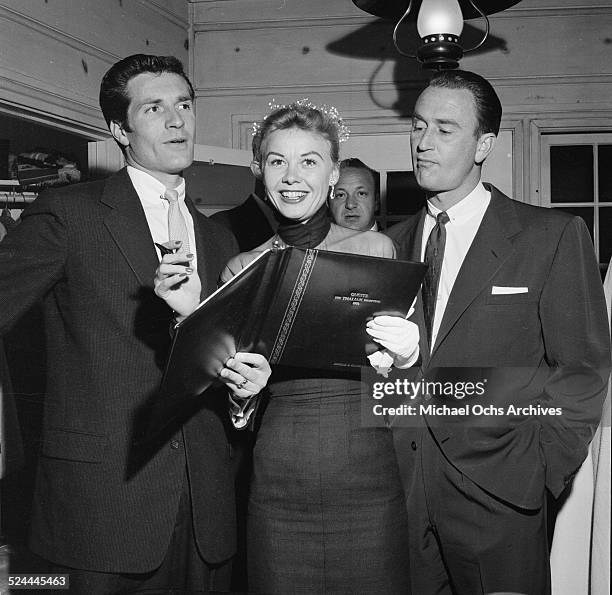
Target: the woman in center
pixel 326 508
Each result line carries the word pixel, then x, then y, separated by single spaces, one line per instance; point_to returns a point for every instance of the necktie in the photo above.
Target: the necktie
pixel 177 226
pixel 434 255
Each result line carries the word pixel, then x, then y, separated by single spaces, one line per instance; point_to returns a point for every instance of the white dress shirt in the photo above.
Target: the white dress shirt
pixel 151 194
pixel 465 218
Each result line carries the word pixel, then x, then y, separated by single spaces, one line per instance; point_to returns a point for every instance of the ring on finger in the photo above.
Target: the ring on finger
pixel 242 384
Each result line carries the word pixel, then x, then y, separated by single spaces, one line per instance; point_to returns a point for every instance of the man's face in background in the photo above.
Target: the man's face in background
pixel 356 199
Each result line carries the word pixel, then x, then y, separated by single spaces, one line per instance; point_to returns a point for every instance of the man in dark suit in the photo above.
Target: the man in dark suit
pixel 252 222
pixel 115 517
pixel 518 296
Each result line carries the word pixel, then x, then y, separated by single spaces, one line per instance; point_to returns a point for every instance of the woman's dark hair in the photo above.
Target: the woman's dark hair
pixel 114 98
pixel 302 116
pixel 488 105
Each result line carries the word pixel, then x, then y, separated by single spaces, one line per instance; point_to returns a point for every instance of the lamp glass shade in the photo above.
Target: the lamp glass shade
pixel 439 16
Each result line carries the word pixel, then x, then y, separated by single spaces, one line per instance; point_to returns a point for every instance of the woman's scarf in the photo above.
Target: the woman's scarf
pixel 304 235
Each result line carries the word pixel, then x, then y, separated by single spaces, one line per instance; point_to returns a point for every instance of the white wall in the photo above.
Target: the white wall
pixel 550 61
pixel 53 53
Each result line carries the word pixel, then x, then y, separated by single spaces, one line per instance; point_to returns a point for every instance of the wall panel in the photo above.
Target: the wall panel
pixel 53 54
pixel 542 55
pixel 548 59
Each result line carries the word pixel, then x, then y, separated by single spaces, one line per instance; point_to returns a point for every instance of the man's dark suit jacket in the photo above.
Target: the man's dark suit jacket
pixel 88 251
pixel 247 222
pixel 552 340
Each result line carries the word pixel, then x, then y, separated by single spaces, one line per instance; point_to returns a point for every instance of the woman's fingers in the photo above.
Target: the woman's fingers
pixel 246 373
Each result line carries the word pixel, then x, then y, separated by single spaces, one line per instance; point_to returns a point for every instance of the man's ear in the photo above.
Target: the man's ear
pixel 256 169
pixel 119 134
pixel 486 142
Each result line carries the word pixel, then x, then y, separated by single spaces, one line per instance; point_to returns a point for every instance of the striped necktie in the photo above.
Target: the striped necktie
pixel 434 255
pixel 177 226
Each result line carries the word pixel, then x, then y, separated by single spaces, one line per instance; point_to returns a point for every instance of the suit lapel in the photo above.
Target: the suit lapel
pixel 128 226
pixel 490 248
pixel 408 239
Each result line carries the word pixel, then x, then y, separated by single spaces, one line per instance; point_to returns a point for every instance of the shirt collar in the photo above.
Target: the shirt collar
pixel 475 202
pixel 150 189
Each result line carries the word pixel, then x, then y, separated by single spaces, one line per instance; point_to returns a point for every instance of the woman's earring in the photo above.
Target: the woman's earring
pixel 332 192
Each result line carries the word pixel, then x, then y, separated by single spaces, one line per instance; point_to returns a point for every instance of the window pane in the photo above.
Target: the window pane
pixel 571 173
pixel 605 234
pixel 605 174
pixel 404 197
pixel 586 213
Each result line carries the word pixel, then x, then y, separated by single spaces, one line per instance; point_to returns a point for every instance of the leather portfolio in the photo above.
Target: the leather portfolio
pixel 296 307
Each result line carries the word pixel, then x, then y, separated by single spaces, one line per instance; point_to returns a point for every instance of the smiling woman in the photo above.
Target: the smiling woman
pixel 325 494
pixel 295 153
pixel 297 172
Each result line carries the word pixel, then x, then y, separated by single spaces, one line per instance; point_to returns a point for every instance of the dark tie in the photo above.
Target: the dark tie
pixel 434 255
pixel 177 226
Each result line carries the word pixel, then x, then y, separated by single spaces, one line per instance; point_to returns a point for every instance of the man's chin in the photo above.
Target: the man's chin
pixel 179 165
pixel 426 183
pixel 353 224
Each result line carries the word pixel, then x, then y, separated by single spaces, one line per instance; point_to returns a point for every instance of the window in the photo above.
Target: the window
pixel 577 178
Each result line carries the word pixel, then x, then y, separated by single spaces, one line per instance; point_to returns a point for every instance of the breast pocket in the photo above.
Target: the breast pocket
pixel 509 299
pixel 69 444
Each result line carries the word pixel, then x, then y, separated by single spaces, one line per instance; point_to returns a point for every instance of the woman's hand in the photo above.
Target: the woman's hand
pixel 177 283
pixel 399 336
pixel 246 374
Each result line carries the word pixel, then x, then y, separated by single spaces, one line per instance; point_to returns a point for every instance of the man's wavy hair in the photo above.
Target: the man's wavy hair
pixel 114 98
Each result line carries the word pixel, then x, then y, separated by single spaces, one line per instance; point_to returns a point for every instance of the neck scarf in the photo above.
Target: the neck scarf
pixel 304 235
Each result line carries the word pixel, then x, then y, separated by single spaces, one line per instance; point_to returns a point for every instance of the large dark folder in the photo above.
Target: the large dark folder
pixel 297 307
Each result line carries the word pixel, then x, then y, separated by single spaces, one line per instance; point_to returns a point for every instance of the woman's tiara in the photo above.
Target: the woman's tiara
pixel 329 110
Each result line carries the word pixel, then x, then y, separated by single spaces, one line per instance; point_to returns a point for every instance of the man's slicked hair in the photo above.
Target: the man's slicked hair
pixel 486 100
pixel 114 98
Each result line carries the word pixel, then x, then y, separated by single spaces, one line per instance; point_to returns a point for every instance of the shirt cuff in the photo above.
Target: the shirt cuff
pixel 241 409
pixel 403 363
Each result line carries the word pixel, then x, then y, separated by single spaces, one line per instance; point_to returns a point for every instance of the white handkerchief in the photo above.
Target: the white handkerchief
pixel 500 290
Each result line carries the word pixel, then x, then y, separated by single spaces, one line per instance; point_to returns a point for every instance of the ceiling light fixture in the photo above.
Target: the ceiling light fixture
pixel 439 25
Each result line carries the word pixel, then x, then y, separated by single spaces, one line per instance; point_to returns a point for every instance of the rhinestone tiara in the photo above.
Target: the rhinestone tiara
pixel 329 110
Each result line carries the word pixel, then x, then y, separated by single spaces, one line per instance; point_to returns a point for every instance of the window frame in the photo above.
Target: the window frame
pixel 594 139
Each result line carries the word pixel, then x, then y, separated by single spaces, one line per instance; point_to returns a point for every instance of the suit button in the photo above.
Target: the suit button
pixel 175 444
pixel 413 445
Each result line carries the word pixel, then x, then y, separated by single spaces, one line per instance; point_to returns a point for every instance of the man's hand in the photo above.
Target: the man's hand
pixel 246 374
pixel 398 335
pixel 177 283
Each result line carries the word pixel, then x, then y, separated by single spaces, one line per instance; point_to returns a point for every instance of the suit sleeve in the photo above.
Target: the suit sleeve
pixel 32 257
pixel 394 233
pixel 577 346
